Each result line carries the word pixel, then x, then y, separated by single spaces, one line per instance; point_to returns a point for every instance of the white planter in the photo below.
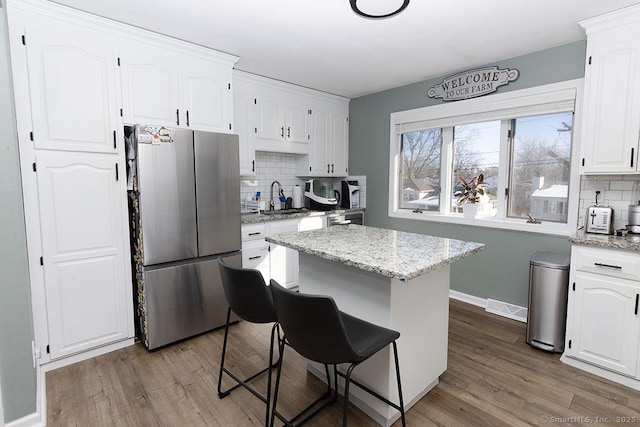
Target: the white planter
pixel 470 210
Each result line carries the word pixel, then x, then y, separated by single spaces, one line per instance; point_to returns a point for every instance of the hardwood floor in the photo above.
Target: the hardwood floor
pixel 493 379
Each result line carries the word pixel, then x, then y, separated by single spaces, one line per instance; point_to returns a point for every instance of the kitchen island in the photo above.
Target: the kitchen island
pixel 395 279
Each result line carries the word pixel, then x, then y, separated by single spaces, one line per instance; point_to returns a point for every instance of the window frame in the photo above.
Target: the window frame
pixel 539 100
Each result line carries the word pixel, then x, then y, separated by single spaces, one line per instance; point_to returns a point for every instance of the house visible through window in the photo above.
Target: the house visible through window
pixel 522 146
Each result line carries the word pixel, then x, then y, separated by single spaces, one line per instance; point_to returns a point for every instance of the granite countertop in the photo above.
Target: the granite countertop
pixel 395 254
pixel 253 218
pixel 630 242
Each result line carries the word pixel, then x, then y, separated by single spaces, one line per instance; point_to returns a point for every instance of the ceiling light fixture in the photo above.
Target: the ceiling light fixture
pixel 354 6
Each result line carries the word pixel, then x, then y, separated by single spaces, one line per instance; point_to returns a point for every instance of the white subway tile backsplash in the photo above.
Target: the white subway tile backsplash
pixel 281 167
pixel 617 192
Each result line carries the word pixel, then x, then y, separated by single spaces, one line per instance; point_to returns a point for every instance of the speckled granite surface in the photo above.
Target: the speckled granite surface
pixel 395 254
pixel 254 218
pixel 631 242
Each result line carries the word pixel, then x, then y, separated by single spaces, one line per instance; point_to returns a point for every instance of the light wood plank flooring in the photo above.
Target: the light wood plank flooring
pixel 493 379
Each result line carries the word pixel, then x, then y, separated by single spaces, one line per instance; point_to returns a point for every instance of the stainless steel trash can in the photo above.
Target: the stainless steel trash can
pixel 548 290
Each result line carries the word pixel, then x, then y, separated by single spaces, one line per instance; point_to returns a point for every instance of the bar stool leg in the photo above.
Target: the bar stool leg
pixel 395 356
pixel 224 394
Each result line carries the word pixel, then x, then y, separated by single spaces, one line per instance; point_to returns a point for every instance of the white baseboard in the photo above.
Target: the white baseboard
pixel 500 308
pixel 32 420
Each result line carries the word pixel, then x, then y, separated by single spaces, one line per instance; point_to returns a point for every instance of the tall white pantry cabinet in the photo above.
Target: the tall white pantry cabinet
pixel 72 100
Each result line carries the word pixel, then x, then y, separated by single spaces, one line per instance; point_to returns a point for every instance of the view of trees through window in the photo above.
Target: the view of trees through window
pixel 540 167
pixel 538 176
pixel 420 169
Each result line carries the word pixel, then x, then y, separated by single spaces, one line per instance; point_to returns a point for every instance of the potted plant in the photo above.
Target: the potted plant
pixel 469 197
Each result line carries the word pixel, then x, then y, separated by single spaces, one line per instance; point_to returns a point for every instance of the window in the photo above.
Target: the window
pixel 420 170
pixel 521 141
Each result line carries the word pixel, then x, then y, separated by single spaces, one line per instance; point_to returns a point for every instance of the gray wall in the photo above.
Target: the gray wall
pixel 16 328
pixel 502 271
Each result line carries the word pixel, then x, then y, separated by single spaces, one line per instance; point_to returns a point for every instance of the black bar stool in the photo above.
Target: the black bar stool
pixel 250 299
pixel 316 329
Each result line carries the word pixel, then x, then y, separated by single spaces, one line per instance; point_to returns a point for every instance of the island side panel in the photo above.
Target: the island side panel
pixel 418 309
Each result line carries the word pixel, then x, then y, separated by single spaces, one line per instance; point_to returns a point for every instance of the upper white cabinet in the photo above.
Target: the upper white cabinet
pixel 329 143
pixel 72 81
pixel 281 117
pixel 150 85
pixel 611 118
pixel 165 87
pixel 244 117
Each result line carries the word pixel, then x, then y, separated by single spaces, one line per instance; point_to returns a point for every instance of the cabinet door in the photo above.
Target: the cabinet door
pixel 296 119
pixel 72 88
pixel 244 117
pixel 206 95
pixel 319 164
pixel 339 143
pixel 150 85
pixel 83 224
pixel 269 118
pixel 612 106
pixel 605 327
pixel 283 261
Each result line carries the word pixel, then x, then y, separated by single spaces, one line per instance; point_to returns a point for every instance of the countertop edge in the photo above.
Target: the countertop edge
pixel 257 218
pixel 629 243
pixel 475 248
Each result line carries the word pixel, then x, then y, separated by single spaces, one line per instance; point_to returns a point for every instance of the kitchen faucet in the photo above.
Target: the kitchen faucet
pixel 271 201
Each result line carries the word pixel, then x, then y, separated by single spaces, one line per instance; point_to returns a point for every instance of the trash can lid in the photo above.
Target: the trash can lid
pixel 551 260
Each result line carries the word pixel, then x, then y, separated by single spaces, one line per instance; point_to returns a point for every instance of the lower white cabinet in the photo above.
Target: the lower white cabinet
pixel 85 251
pixel 273 261
pixel 603 323
pixel 283 262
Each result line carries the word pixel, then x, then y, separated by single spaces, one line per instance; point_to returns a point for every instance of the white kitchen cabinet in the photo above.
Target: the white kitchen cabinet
pixel 165 87
pixel 150 84
pixel 85 252
pixel 244 117
pixel 255 254
pixel 290 119
pixel 206 95
pixel 273 261
pixel 70 98
pixel 283 262
pixel 72 85
pixel 603 324
pixel 328 145
pixel 611 119
pixel 281 117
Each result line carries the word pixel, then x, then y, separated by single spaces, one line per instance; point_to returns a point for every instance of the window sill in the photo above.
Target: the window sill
pixel 548 228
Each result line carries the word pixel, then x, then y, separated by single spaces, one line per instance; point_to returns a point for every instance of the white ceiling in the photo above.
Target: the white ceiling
pixel 323 45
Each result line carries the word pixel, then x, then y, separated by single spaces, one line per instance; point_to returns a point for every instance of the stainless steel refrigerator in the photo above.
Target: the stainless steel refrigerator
pixel 184 201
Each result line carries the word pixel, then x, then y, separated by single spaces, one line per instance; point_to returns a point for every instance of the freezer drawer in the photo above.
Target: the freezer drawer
pixel 184 300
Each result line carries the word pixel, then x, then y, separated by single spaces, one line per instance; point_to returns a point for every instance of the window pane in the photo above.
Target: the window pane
pixel 476 151
pixel 420 170
pixel 540 167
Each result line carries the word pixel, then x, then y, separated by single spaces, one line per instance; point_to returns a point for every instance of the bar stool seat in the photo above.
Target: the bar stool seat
pixel 317 330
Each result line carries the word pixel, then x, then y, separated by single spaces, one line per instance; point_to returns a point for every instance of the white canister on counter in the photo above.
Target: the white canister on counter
pixel 298 201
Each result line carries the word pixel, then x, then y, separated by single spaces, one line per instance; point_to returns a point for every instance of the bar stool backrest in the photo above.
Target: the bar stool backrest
pixel 312 325
pixel 247 294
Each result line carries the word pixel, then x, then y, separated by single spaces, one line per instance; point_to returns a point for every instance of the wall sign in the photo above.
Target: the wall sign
pixel 470 84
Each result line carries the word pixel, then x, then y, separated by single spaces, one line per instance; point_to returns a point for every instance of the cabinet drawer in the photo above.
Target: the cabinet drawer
pixel 609 262
pixel 254 253
pixel 253 231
